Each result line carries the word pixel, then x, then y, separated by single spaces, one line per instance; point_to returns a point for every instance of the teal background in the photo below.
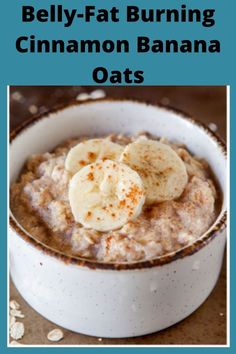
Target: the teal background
pixel 76 69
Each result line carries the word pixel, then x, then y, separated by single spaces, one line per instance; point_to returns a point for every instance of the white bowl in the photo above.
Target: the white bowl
pixel 109 300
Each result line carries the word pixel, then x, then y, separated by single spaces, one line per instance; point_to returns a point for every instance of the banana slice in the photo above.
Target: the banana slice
pixel 105 195
pixel 91 150
pixel 163 172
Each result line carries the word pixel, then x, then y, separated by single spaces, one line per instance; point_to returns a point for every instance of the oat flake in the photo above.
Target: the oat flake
pixel 55 335
pixel 17 313
pixel 17 330
pixel 17 96
pixel 96 94
pixel 33 109
pixel 14 342
pixel 12 320
pixel 213 127
pixel 83 96
pixel 14 305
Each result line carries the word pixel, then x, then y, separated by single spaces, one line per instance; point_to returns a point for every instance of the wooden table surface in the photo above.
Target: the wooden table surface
pixel 207 325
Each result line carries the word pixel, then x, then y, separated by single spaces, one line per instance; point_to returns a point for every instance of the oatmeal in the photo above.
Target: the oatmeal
pixel 169 208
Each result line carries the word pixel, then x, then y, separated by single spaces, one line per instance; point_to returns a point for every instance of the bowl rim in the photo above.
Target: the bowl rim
pixel 188 250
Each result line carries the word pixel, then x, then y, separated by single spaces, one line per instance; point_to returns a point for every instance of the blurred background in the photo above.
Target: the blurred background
pixel 206 103
pixel 207 325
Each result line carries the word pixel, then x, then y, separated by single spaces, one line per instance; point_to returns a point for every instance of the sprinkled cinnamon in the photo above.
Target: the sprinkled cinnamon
pixel 133 193
pixel 122 203
pixel 91 155
pixel 82 162
pixel 89 214
pixel 90 176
